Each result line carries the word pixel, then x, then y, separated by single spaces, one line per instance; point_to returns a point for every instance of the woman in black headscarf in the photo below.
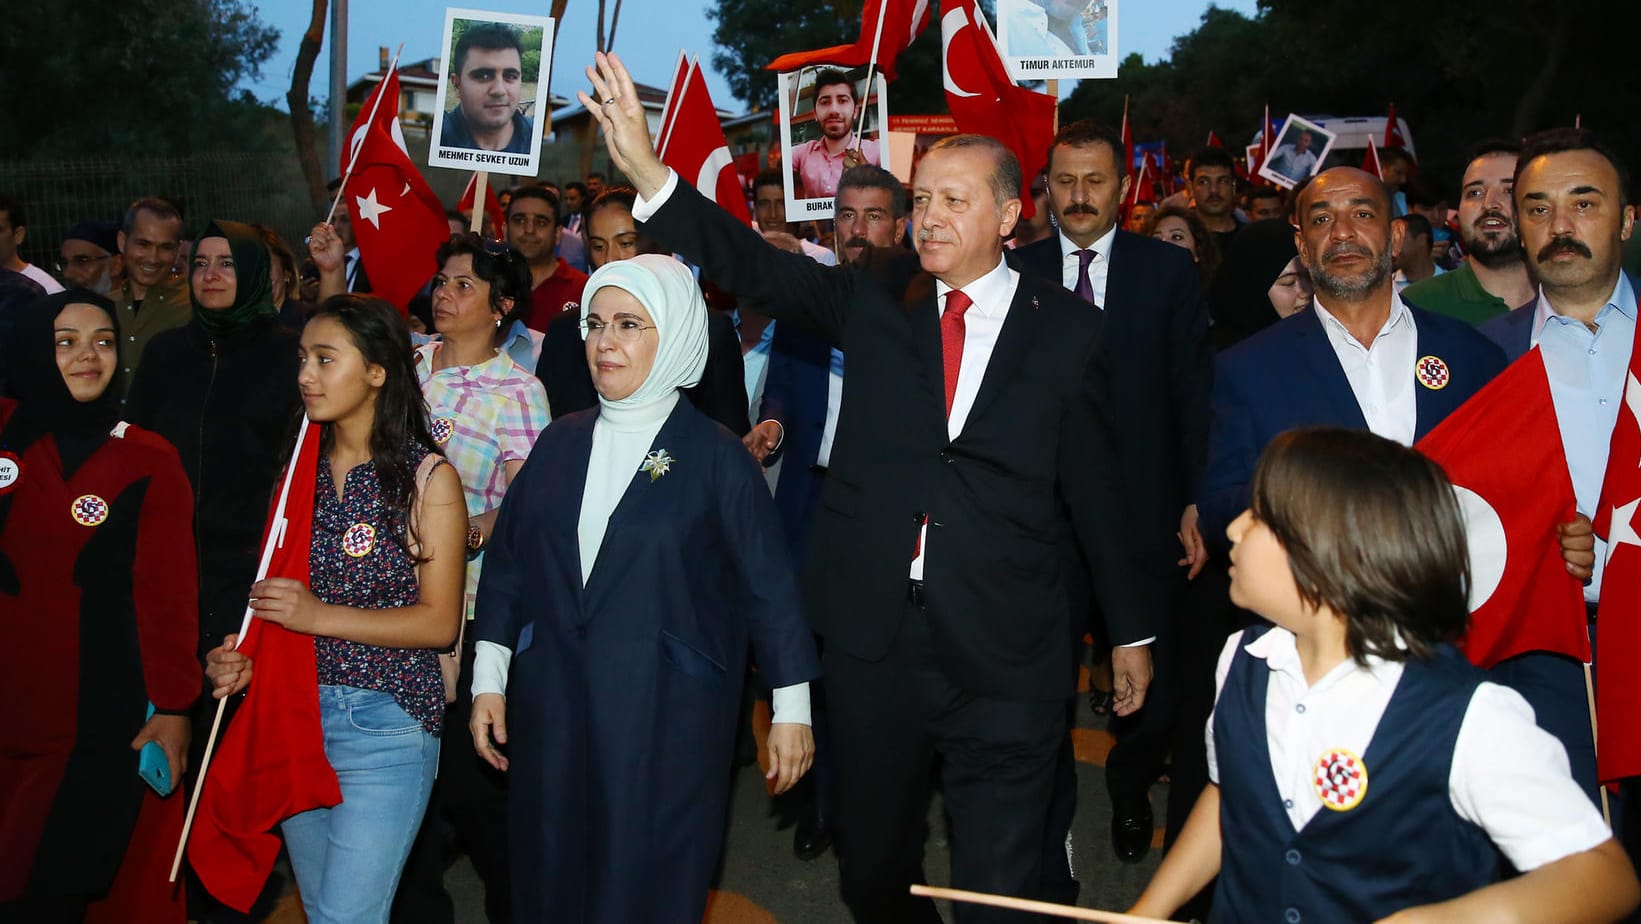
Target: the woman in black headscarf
pixel 1261 281
pixel 222 389
pixel 97 594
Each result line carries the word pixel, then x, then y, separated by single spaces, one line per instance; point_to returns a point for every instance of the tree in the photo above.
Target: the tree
pixel 752 33
pixel 136 78
pixel 303 131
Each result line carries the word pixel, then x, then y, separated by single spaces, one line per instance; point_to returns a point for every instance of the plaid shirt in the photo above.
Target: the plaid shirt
pixel 483 416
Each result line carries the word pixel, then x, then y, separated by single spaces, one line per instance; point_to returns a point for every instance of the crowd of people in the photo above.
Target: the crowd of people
pixel 625 458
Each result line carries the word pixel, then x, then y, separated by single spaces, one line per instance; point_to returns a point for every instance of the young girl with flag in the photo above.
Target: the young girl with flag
pixel 384 596
pixel 1361 769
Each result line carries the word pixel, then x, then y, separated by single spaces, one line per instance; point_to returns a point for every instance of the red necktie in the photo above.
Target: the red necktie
pixel 951 340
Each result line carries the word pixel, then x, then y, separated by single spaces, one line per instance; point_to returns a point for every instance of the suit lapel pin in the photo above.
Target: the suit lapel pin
pixel 657 463
pixel 1432 372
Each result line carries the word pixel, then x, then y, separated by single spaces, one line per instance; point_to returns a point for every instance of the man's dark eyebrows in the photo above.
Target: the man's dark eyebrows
pixel 1586 190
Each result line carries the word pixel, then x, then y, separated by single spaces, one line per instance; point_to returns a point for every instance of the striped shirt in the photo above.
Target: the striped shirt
pixel 483 416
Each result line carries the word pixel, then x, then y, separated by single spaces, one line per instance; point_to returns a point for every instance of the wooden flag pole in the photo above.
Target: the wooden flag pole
pixel 481 185
pixel 1589 693
pixel 276 535
pixel 1035 907
pixel 353 155
pixel 1054 91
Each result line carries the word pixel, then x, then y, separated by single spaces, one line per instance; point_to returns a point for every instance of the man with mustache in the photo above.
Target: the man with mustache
pixel 1571 198
pixel 155 296
pixel 1157 356
pixel 1493 279
pixel 1212 173
pixel 799 423
pixel 817 165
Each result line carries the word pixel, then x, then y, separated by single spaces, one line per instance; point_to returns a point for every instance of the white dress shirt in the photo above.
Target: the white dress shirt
pixel 1099 269
pixel 1509 776
pixel 1381 375
pixel 991 295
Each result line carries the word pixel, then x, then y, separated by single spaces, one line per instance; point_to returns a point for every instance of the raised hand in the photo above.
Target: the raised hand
pixel 615 104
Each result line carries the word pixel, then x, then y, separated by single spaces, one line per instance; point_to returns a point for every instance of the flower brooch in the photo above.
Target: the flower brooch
pixel 657 463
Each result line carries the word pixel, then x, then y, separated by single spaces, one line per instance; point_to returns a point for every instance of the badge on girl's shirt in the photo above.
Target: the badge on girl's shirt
pixel 1341 779
pixel 359 540
pixel 442 429
pixel 1431 372
pixel 11 472
pixel 88 510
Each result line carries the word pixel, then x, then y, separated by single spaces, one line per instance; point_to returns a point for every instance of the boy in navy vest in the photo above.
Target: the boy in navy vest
pixel 1361 769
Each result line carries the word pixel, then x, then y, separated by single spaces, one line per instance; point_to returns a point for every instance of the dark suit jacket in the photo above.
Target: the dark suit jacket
pixel 1160 364
pixel 1287 376
pixel 795 397
pixel 721 394
pixel 1038 431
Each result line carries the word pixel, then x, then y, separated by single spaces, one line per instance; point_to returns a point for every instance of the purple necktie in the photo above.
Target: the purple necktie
pixel 1085 286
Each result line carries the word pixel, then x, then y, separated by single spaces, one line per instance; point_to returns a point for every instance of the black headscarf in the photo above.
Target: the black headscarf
pixel 1240 300
pixel 253 293
pixel 45 407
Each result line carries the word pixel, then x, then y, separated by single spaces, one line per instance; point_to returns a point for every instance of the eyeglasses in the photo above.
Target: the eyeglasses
pixel 80 262
pixel 626 330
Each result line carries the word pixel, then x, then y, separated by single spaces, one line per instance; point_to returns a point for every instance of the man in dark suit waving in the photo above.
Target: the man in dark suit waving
pixel 973 437
pixel 1159 361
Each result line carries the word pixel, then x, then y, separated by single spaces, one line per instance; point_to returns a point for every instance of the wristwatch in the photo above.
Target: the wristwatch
pixel 475 540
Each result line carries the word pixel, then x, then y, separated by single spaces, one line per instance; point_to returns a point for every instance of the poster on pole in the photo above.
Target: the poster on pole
pixel 1301 147
pixel 493 92
pixel 1051 39
pixel 830 120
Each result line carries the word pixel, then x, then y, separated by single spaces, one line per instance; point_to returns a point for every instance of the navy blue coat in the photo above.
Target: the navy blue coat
pixel 1288 376
pixel 623 695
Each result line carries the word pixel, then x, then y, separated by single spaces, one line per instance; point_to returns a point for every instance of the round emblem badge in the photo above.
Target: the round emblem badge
pixel 11 472
pixel 442 429
pixel 1341 780
pixel 1431 372
pixel 359 540
pixel 88 510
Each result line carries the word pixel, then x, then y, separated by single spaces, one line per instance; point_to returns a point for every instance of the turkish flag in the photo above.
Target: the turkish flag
pixel 1393 131
pixel 984 99
pixel 271 762
pixel 1267 140
pixel 1370 160
pixel 398 222
pixel 887 27
pixel 1213 139
pixel 692 141
pixel 495 218
pixel 1618 689
pixel 1502 451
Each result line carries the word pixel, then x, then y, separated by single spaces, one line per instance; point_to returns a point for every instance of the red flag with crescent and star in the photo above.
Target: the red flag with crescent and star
pixel 900 21
pixel 985 100
pixel 1502 451
pixel 1618 689
pixel 398 221
pixel 271 762
pixel 692 142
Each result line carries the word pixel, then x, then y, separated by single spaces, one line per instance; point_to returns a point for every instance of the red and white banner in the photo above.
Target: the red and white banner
pixel 887 28
pixel 692 143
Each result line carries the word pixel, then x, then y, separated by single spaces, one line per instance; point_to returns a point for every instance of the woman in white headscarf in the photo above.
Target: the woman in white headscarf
pixel 636 556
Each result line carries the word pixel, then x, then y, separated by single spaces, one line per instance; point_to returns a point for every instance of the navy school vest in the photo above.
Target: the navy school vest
pixel 1401 845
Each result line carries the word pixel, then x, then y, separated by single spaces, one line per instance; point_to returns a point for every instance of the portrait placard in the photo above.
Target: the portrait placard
pixel 493 92
pixel 823 132
pixel 1043 39
pixel 1301 147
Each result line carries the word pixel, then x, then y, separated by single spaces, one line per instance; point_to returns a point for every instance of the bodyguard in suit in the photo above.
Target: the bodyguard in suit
pixel 1571 195
pixel 1159 361
pixel 973 437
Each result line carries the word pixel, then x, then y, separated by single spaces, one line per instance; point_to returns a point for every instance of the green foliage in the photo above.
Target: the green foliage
pixel 751 33
pixel 138 78
pixel 529 37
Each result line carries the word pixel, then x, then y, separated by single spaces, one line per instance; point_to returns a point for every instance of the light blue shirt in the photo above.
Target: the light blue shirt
pixel 1587 372
pixel 756 363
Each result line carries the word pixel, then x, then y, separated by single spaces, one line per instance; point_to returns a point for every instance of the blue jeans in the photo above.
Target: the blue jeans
pixel 347 859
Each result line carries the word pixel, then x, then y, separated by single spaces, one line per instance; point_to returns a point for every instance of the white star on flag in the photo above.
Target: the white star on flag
pixel 1623 527
pixel 371 210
